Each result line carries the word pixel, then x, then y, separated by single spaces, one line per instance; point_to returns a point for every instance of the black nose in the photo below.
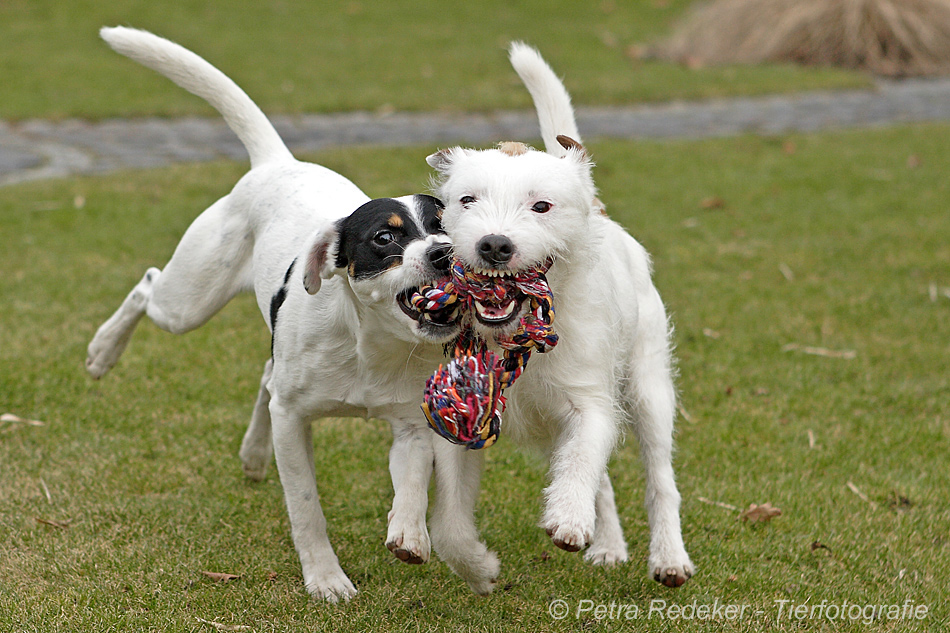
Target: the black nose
pixel 496 249
pixel 440 256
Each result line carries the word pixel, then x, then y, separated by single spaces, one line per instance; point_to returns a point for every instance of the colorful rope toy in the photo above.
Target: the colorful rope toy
pixel 463 400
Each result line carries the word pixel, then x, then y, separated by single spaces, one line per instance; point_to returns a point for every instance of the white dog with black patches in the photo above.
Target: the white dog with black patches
pixel 332 271
pixel 514 208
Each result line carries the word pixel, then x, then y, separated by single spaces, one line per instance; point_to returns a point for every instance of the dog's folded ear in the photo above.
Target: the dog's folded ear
pixel 442 160
pixel 321 257
pixel 572 146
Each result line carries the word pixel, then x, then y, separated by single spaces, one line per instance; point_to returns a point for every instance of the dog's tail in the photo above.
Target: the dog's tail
pixel 198 77
pixel 551 99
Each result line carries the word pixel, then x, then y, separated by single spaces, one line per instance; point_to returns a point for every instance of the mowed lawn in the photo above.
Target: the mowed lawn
pixel 808 278
pixel 329 55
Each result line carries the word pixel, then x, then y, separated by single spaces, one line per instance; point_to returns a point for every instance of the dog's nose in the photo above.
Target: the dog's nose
pixel 496 249
pixel 440 256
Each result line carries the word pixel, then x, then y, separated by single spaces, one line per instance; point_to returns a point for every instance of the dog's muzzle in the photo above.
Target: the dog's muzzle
pixel 496 296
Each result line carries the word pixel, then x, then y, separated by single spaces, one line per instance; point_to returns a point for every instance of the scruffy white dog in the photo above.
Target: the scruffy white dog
pixel 514 208
pixel 332 272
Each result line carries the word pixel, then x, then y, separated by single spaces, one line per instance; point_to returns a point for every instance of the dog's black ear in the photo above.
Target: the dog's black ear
pixel 572 146
pixel 322 257
pixel 442 160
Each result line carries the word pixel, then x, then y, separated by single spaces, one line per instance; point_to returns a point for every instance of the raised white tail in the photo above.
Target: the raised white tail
pixel 551 99
pixel 198 77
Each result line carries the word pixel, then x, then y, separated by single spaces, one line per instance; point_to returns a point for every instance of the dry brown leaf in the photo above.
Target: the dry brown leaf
pixel 220 577
pixel 760 513
pixel 712 202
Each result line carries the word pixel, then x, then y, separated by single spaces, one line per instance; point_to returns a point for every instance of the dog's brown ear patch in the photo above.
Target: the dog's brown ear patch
pixel 570 144
pixel 513 148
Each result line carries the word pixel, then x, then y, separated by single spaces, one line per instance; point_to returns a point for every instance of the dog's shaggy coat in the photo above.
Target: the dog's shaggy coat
pixel 508 210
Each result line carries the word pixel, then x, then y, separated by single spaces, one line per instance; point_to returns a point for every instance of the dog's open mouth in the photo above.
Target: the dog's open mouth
pixel 497 296
pixel 433 305
pixel 498 314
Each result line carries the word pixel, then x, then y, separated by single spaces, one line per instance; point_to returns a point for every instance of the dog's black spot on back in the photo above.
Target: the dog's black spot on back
pixel 373 238
pixel 431 209
pixel 278 300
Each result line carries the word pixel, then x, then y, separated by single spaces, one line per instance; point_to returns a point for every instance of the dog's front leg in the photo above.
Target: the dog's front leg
pixel 410 465
pixel 293 449
pixel 608 546
pixel 454 534
pixel 654 401
pixel 578 465
pixel 669 562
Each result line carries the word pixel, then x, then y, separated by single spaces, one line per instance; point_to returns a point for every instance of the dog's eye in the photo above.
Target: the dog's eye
pixel 466 200
pixel 541 207
pixel 384 238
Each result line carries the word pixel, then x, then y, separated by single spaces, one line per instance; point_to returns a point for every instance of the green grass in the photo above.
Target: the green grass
pixel 305 56
pixel 142 466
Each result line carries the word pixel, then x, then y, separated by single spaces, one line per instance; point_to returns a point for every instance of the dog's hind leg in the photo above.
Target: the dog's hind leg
pixel 114 335
pixel 410 464
pixel 607 547
pixel 210 265
pixel 454 535
pixel 293 449
pixel 257 447
pixel 653 400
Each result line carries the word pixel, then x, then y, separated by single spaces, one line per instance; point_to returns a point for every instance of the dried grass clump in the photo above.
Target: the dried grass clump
pixel 894 38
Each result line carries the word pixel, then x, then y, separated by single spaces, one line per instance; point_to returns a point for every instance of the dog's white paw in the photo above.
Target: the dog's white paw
pixel 331 585
pixel 483 575
pixel 255 458
pixel 409 548
pixel 255 466
pixel 471 559
pixel 107 346
pixel 568 529
pixel 672 572
pixel 408 540
pixel 570 538
pixel 606 556
pixel 114 335
pixel 569 524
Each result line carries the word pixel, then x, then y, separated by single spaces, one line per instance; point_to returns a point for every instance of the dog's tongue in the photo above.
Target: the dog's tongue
pixel 495 312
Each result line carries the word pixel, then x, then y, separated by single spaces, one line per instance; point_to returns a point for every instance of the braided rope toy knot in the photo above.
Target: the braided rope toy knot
pixel 463 400
pixel 433 297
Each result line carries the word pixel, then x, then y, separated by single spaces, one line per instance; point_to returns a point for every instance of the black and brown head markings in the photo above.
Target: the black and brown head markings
pixel 373 238
pixel 430 210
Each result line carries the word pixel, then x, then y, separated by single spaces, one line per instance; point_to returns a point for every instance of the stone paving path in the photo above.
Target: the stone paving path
pixel 37 149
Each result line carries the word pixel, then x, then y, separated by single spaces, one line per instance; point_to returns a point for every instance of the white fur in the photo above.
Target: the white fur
pixel 612 366
pixel 343 348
